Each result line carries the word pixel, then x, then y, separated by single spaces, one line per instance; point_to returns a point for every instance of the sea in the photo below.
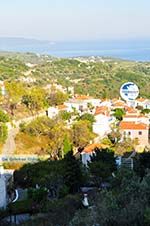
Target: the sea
pixel 134 50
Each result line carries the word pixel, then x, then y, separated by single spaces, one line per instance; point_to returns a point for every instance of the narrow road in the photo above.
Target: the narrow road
pixel 10 146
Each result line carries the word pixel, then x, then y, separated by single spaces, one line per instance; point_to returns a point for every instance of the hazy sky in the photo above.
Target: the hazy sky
pixel 75 19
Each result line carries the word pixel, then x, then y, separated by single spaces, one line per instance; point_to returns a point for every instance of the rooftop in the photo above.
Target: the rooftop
pixel 133 126
pixel 62 107
pixel 135 116
pixel 83 97
pixel 102 110
pixel 131 110
pixel 90 148
pixel 141 99
pixel 119 103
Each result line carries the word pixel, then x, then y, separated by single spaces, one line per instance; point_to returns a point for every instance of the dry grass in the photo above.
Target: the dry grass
pixel 26 144
pixel 13 165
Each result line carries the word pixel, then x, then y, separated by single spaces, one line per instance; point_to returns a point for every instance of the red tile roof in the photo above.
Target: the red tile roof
pixel 62 107
pixel 131 110
pixel 102 110
pixel 119 104
pixel 90 148
pixel 83 97
pixel 141 99
pixel 133 126
pixel 135 116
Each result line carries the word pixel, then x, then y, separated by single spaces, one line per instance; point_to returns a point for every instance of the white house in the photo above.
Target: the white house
pixel 82 103
pixel 89 151
pixel 77 105
pixel 145 103
pixel 135 130
pixel 3 193
pixel 107 103
pixel 52 112
pixel 137 119
pixel 103 121
pixel 102 125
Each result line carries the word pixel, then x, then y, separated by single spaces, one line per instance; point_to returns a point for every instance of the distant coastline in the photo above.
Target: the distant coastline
pixel 135 50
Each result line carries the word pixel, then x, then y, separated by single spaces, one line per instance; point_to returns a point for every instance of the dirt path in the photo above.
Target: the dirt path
pixel 10 146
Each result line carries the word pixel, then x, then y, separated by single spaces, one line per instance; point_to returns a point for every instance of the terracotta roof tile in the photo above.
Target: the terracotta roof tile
pixel 131 110
pixel 90 148
pixel 62 107
pixel 135 116
pixel 141 99
pixel 119 104
pixel 102 110
pixel 83 97
pixel 132 126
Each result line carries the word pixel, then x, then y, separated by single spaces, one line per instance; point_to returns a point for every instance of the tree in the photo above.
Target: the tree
pixel 82 133
pixel 64 115
pixel 142 163
pixel 90 106
pixel 127 145
pixel 87 117
pixel 15 91
pixel 35 99
pixel 102 164
pixel 56 97
pixel 54 130
pixel 3 116
pixel 73 176
pixel 145 111
pixel 45 174
pixel 147 216
pixel 38 195
pixel 3 132
pixel 114 136
pixel 119 113
pixel 3 128
pixel 107 141
pixel 126 206
pixel 57 136
pixel 67 145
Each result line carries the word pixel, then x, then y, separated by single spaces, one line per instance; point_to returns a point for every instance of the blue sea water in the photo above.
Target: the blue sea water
pixel 128 54
pixel 137 50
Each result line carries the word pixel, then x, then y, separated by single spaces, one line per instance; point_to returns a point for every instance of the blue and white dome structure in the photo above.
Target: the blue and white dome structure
pixel 129 91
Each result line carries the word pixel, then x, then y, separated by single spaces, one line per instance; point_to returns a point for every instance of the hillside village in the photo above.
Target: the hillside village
pixel 50 132
pixel 74 113
pixel 133 125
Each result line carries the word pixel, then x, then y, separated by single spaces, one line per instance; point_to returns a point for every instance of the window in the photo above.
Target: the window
pixel 129 133
pixel 140 132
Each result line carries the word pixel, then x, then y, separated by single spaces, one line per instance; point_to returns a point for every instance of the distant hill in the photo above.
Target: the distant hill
pixel 27 57
pixel 96 76
pixel 24 45
pixel 137 50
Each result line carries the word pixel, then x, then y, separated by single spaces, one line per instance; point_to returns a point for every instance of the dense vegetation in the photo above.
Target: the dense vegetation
pixel 52 136
pixel 96 78
pixel 119 196
pixel 99 79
